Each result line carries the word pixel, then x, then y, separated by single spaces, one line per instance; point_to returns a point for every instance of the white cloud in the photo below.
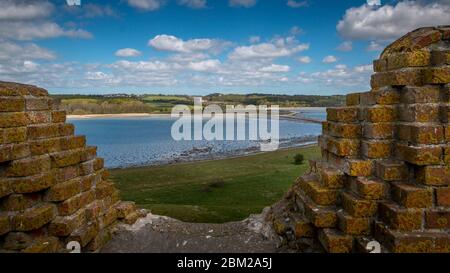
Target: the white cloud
pixel 10 50
pixel 392 21
pixel 345 46
pixel 339 76
pixel 174 44
pixel 254 39
pixel 275 68
pixel 329 59
pixel 242 3
pixel 304 59
pixel 148 5
pixel 297 4
pixel 195 4
pixel 374 46
pixel 205 66
pixel 31 30
pixel 280 47
pixel 89 10
pixel 127 52
pixel 24 10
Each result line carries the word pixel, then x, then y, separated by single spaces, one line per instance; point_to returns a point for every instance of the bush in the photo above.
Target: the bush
pixel 298 159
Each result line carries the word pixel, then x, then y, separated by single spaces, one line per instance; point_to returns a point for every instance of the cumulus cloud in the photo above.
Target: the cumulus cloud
pixel 242 3
pixel 195 4
pixel 280 47
pixel 275 68
pixel 28 51
pixel 147 5
pixel 174 44
pixel 205 66
pixel 127 52
pixel 389 22
pixel 345 46
pixel 254 39
pixel 374 46
pixel 304 59
pixel 90 10
pixel 24 10
pixel 329 59
pixel 339 76
pixel 297 4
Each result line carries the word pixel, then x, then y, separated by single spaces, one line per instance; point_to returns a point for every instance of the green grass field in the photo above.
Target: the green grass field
pixel 213 191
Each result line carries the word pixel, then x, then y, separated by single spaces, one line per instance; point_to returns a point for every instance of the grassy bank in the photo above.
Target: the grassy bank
pixel 213 191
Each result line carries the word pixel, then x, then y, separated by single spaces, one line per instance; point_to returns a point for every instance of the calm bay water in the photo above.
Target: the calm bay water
pixel 125 142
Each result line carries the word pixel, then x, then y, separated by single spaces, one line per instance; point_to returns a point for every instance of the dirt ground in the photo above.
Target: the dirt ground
pixel 160 234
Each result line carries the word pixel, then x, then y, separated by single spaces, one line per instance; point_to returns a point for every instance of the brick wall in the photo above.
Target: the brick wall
pixel 53 187
pixel 384 174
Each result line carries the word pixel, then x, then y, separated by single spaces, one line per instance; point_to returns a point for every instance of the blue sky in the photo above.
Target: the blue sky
pixel 203 46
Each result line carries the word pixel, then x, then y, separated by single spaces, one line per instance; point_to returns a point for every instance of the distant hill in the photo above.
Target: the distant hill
pixel 158 103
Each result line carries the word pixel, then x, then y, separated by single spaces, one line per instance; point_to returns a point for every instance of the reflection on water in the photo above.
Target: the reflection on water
pixel 147 140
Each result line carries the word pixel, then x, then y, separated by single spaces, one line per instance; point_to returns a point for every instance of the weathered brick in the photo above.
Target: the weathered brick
pixel 437 219
pixel 356 167
pixel 76 202
pixel 381 97
pixel 17 241
pixel 5 223
pixel 440 57
pixel 85 233
pixel 28 166
pixel 444 112
pixel 34 218
pixel 43 244
pixel 17 202
pixel 87 167
pixel 342 114
pixel 404 242
pixel 380 114
pixel 419 112
pixel 94 210
pixel 44 146
pixel 19 151
pixel 417 58
pixel 437 75
pixel 33 183
pixel 109 217
pixel 319 194
pixel 358 207
pixel 369 188
pixel 420 155
pixel 132 218
pixel 37 117
pixel 66 158
pixel 88 181
pixel 376 148
pixel 352 225
pixel 89 153
pixel 331 178
pixel 73 142
pixel 65 225
pixel 420 94
pixel 104 189
pixel 14 135
pixel 66 129
pixel 390 170
pixel 99 240
pixel 397 78
pixel 42 131
pixel 418 133
pixel 433 175
pixel 447 133
pixel 412 196
pixel 343 146
pixel 124 208
pixel 63 191
pixel 443 197
pixel 380 65
pixel 318 216
pixel 14 119
pixel 58 116
pixel 352 99
pixel 335 242
pixel 382 130
pixel 399 218
pixel 344 130
pixel 5 187
pixel 12 104
pixel 37 103
pixel 98 163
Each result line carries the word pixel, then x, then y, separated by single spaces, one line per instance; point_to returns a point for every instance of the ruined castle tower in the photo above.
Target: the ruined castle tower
pixel 384 174
pixel 53 188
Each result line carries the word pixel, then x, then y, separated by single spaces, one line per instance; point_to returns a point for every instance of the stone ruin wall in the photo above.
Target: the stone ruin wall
pixel 384 174
pixel 53 187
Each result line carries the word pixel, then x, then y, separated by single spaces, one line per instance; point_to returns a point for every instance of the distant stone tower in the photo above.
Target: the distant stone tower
pixel 385 168
pixel 53 188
